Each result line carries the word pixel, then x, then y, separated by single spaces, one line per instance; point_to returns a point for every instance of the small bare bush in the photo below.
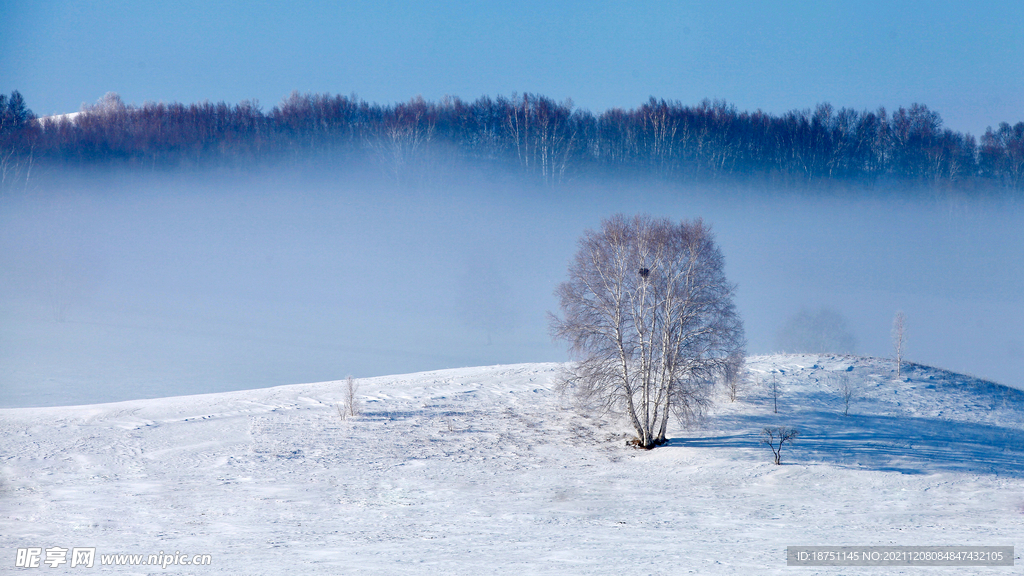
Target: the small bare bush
pixel 775 437
pixel 351 402
pixel 734 374
pixel 846 391
pixel 899 336
pixel 840 382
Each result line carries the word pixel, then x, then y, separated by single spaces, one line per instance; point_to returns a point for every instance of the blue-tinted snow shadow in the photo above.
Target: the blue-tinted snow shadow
pixel 910 445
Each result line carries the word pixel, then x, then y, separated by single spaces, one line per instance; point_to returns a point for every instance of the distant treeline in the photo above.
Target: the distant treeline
pixel 529 133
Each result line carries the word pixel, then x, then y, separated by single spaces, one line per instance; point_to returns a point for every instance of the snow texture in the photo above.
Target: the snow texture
pixel 488 471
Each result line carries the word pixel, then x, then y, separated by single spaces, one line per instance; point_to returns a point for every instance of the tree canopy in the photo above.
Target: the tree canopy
pixel 650 319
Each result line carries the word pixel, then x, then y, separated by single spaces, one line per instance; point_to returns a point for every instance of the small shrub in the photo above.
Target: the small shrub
pixel 774 388
pixel 775 437
pixel 734 374
pixel 351 402
pixel 841 382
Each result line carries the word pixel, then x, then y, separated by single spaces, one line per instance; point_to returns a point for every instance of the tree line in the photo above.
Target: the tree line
pixel 532 134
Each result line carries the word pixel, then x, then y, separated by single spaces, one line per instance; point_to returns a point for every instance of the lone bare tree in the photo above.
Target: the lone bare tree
pixel 350 400
pixel 775 394
pixel 733 374
pixel 775 437
pixel 650 319
pixel 846 393
pixel 899 333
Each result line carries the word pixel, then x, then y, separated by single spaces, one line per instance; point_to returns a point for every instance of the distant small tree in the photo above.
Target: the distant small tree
pixel 775 437
pixel 846 392
pixel 351 402
pixel 899 333
pixel 840 382
pixel 734 374
pixel 775 393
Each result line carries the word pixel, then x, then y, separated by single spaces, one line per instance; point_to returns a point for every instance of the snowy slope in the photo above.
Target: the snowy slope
pixel 487 471
pixel 71 117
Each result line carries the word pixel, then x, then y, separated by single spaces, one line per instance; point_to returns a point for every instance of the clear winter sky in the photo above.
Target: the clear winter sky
pixel 963 59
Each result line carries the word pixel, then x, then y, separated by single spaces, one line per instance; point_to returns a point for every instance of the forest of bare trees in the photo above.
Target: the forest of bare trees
pixel 527 133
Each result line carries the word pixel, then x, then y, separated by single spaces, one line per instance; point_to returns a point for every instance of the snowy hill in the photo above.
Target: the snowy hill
pixel 487 471
pixel 56 118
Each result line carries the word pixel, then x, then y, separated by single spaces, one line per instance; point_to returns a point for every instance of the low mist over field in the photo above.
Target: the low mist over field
pixel 119 287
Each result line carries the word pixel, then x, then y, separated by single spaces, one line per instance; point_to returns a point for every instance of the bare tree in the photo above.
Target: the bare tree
pixel 775 393
pixel 775 437
pixel 846 392
pixel 840 382
pixel 350 401
pixel 403 133
pixel 649 316
pixel 899 333
pixel 733 374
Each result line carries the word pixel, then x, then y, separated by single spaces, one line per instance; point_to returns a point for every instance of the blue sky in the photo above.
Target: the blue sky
pixel 962 59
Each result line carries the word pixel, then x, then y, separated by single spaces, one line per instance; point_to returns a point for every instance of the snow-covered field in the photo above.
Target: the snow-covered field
pixel 488 471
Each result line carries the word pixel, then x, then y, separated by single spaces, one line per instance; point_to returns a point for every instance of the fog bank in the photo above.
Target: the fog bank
pixel 118 288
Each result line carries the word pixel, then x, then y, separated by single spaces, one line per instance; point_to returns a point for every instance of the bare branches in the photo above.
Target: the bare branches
pixel 775 393
pixel 847 395
pixel 845 391
pixel 775 437
pixel 649 317
pixel 899 332
pixel 733 374
pixel 840 382
pixel 350 402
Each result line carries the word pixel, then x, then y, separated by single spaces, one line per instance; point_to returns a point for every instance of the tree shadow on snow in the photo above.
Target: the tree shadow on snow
pixel 907 444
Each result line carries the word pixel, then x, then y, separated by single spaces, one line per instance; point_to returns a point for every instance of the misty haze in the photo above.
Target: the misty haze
pixel 118 288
